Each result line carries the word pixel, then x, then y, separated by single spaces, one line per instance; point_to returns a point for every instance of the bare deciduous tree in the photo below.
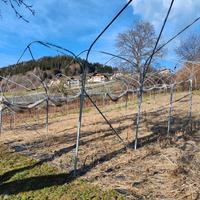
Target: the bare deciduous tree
pixel 16 4
pixel 189 48
pixel 136 45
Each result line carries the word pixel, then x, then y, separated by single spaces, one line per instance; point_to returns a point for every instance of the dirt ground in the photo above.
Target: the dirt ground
pixel 163 167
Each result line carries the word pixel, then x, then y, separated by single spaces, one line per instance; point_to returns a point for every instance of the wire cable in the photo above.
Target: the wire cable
pixel 148 61
pixel 104 30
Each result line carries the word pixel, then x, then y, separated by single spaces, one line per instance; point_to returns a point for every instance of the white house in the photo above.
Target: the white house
pixel 98 78
pixel 72 82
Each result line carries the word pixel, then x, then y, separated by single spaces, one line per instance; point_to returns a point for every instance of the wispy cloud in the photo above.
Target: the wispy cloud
pixel 183 12
pixel 73 24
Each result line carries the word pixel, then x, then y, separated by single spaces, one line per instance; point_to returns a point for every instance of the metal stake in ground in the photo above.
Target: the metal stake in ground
pixel 1 113
pixel 140 98
pixel 170 109
pixel 190 102
pixel 83 80
pixel 1 110
pixel 47 115
pixel 126 103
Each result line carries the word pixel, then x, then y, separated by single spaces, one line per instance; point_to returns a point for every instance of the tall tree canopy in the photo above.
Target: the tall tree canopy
pixel 136 45
pixel 189 48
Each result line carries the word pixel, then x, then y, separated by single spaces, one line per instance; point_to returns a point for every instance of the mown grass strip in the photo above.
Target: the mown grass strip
pixel 23 178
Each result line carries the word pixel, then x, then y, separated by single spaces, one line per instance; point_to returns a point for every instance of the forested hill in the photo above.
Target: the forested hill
pixel 54 64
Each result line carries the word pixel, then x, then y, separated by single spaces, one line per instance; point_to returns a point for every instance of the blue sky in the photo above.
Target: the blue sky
pixel 75 24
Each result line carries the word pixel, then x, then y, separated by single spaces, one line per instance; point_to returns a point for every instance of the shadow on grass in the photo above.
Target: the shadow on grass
pixel 34 183
pixel 6 176
pixel 41 182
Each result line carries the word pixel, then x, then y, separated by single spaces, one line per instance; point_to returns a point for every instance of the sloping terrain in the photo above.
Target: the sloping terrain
pixel 23 178
pixel 163 167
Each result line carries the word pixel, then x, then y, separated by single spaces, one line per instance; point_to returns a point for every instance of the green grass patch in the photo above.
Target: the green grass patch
pixel 22 178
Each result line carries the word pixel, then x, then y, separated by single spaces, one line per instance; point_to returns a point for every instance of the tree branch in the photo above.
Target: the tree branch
pixel 14 4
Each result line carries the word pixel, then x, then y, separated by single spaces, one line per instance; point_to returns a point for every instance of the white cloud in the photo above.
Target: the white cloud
pixel 68 23
pixel 182 13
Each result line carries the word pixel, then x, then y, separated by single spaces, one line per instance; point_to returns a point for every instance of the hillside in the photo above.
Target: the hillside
pixel 66 64
pixel 47 68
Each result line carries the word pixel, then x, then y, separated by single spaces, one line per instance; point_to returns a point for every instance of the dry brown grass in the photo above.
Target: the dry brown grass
pixel 163 168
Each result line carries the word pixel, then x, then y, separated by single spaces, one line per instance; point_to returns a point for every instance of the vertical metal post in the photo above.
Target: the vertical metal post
pixel 103 99
pixel 82 95
pixel 150 96
pixel 47 115
pixel 170 109
pixel 37 114
pixel 140 98
pixel 126 104
pixel 1 112
pixel 10 120
pixel 190 102
pixel 67 108
pixel 14 119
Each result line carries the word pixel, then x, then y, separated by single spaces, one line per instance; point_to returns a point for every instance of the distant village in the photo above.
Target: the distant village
pixel 96 78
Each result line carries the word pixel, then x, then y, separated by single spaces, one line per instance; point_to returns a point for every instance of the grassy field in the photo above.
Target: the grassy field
pixel 23 178
pixel 163 167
